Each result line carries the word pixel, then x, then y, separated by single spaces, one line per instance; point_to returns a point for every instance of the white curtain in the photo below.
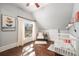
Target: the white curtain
pixel 21 32
pixel 34 31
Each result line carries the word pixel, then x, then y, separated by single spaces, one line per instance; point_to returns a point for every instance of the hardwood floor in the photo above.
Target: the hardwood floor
pixel 30 49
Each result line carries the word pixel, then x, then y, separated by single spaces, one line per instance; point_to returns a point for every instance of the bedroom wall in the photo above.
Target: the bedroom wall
pixel 7 38
pixel 52 17
pixel 75 9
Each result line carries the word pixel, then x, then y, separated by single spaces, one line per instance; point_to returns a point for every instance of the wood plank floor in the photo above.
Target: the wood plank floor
pixel 30 49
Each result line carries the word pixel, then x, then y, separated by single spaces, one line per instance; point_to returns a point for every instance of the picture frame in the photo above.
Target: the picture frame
pixel 8 23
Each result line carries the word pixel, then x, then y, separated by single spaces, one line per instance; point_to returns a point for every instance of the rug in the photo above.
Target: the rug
pixel 51 47
pixel 40 42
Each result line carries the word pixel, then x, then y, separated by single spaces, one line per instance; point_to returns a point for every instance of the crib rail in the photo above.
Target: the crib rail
pixel 64 52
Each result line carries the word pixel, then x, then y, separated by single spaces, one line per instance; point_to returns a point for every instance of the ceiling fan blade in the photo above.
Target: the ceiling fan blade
pixel 37 5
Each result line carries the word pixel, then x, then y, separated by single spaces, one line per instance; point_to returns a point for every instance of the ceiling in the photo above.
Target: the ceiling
pixel 50 15
pixel 32 7
pixel 54 16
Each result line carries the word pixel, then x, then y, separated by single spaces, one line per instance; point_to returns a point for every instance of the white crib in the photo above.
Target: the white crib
pixel 67 49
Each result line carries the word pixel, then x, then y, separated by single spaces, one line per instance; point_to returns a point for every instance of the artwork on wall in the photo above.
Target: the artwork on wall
pixel 7 23
pixel 77 16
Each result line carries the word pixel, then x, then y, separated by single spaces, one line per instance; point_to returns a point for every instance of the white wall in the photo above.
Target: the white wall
pixel 75 9
pixel 54 15
pixel 11 10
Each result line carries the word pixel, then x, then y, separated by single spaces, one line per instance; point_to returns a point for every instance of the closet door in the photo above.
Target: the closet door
pixel 21 30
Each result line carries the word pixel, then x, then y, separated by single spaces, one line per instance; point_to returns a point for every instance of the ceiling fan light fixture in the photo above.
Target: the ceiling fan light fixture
pixel 37 5
pixel 27 4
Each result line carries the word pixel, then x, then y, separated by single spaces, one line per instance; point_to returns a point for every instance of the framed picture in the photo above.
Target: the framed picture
pixel 8 23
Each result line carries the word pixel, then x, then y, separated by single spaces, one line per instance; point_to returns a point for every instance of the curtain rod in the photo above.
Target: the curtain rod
pixel 27 18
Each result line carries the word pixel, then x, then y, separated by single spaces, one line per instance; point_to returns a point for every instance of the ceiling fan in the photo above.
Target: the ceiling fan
pixel 36 4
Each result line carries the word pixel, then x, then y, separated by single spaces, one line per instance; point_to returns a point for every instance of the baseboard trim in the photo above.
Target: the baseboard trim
pixel 6 47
